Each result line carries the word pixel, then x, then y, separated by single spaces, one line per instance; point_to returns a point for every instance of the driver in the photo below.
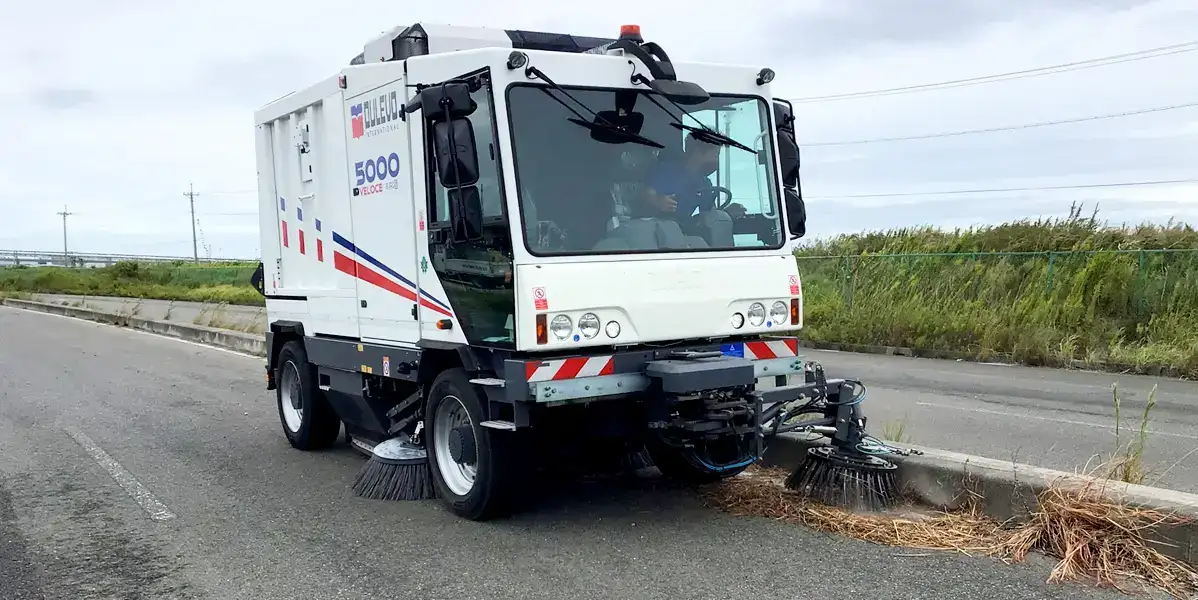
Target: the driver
pixel 676 185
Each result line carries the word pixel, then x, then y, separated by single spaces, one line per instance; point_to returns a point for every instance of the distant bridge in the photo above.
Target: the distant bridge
pixel 35 258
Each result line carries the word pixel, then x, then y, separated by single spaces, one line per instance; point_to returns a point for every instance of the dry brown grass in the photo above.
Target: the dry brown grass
pixel 1093 538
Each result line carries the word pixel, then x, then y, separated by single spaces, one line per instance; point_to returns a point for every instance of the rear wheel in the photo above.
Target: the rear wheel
pixel 473 466
pixel 308 421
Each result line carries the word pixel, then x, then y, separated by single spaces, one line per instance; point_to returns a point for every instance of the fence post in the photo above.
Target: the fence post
pixel 1141 293
pixel 1051 258
pixel 852 278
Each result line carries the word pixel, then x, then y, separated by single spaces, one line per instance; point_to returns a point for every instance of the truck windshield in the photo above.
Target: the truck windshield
pixel 580 195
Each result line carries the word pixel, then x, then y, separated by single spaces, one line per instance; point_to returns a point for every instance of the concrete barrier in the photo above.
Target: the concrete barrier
pixel 1009 490
pixel 221 338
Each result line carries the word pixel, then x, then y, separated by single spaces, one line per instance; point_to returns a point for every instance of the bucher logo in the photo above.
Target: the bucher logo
pixel 374 116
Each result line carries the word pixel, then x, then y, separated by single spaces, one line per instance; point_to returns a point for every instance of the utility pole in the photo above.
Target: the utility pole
pixel 191 196
pixel 66 261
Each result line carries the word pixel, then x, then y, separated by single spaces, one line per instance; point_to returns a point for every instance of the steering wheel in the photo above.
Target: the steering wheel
pixel 714 192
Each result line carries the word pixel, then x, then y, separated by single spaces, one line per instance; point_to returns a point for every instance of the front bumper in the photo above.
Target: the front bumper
pixel 586 377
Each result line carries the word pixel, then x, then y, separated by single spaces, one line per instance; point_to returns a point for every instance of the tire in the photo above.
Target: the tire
pixel 675 464
pixel 491 491
pixel 315 425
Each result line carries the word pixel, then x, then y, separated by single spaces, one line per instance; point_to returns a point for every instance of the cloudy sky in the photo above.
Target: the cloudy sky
pixel 111 107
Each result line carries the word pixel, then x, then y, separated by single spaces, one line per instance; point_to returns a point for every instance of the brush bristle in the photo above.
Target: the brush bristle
pixel 389 480
pixel 845 485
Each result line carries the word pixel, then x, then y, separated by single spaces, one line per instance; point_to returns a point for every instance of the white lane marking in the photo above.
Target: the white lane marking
pixel 1053 419
pixel 150 333
pixel 157 510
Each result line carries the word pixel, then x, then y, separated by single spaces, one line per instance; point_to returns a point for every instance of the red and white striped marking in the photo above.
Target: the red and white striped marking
pixel 772 349
pixel 568 368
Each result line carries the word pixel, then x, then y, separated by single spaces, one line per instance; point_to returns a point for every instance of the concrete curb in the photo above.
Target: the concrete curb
pixel 1105 367
pixel 220 338
pixel 938 479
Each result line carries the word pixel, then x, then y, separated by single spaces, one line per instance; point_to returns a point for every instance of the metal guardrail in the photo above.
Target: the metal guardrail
pixel 91 259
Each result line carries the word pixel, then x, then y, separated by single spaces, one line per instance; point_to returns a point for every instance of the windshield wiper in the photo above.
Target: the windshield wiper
pixel 702 132
pixel 599 124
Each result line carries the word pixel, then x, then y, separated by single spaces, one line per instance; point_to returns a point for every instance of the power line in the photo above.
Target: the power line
pixel 1021 189
pixel 1007 128
pixel 1022 74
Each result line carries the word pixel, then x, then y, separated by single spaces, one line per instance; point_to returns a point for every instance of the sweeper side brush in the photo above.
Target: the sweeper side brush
pixel 835 478
pixel 850 471
pixel 398 469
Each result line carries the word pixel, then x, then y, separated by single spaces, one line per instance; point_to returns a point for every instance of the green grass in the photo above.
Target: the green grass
pixel 181 281
pixel 1043 292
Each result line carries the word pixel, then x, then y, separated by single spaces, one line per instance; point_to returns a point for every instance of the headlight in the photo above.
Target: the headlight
pixel 756 314
pixel 588 325
pixel 613 329
pixel 738 320
pixel 561 327
pixel 779 313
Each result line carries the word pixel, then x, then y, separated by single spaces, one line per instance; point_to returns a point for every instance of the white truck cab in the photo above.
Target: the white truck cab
pixel 523 225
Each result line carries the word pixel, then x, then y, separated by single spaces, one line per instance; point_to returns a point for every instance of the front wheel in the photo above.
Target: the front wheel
pixel 473 466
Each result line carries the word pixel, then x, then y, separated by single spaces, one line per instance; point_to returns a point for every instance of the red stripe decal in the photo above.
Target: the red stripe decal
pixel 301 238
pixel 434 307
pixel 284 233
pixel 793 344
pixel 530 368
pixel 377 279
pixel 609 367
pixel 344 264
pixel 761 350
pixel 319 249
pixel 570 368
pixel 351 267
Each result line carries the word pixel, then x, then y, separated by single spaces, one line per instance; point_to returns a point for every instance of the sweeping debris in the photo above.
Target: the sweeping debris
pixel 1094 538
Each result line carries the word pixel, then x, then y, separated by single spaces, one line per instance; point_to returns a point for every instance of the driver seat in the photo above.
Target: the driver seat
pixel 649 234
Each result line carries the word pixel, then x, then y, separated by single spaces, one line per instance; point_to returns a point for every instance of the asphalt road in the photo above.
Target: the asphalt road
pixel 135 466
pixel 1046 417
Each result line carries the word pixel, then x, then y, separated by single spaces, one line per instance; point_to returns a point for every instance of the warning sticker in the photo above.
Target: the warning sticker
pixel 539 299
pixel 794 285
pixel 386 366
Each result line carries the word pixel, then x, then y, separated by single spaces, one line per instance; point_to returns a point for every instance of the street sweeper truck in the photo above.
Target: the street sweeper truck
pixel 485 249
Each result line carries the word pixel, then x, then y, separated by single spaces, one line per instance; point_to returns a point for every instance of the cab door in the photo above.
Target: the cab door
pixel 468 283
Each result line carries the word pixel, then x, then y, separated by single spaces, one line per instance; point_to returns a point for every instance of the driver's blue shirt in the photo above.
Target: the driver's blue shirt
pixel 671 178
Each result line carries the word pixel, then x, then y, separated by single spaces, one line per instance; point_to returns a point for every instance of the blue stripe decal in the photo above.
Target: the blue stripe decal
pixel 348 245
pixel 299 213
pixel 282 204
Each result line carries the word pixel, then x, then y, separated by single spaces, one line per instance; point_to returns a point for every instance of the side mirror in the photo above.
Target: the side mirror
pixel 796 212
pixel 466 211
pixel 452 95
pixel 456 152
pixel 788 156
